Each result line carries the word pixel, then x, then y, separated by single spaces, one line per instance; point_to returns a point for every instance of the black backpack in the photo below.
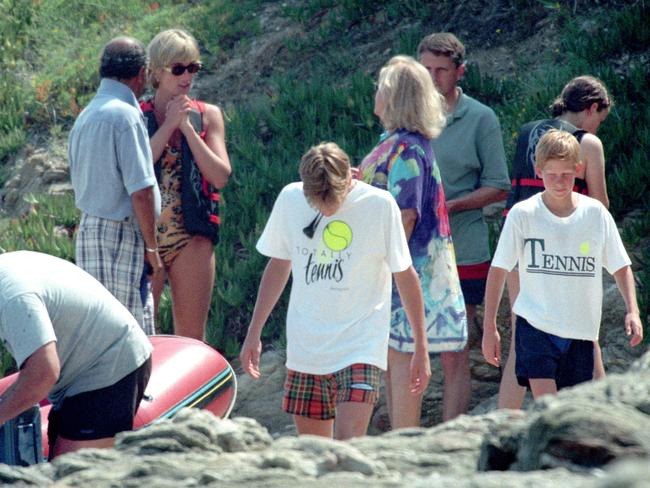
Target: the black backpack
pixel 525 182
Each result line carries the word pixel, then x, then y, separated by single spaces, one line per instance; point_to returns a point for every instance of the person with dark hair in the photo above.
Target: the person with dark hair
pixel 472 162
pixel 113 180
pixel 122 60
pixel 580 109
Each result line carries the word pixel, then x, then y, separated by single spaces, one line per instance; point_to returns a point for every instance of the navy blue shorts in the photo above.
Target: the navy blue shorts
pixel 472 281
pixel 541 355
pixel 101 413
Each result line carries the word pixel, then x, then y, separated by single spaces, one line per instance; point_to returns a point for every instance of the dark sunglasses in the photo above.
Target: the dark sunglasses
pixel 311 228
pixel 179 69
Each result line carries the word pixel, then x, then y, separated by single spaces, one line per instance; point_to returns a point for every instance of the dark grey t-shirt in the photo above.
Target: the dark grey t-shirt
pixel 45 299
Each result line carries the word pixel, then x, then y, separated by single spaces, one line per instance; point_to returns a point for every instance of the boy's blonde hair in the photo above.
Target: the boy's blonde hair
pixel 557 144
pixel 325 174
pixel 169 47
pixel 411 101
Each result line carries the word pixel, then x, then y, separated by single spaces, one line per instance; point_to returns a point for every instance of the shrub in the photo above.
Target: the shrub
pixel 326 95
pixel 48 227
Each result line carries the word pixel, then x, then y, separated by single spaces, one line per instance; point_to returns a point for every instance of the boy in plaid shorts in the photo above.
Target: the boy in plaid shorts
pixel 340 240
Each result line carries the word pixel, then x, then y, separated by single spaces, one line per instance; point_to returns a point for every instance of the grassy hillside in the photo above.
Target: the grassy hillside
pixel 317 86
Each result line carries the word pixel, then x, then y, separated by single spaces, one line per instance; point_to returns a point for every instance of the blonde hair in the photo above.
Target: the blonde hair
pixel 169 47
pixel 411 101
pixel 325 174
pixel 557 144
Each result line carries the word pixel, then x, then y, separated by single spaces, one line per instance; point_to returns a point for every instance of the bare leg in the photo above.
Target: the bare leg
pixel 457 388
pixel 542 386
pixel 403 408
pixel 191 277
pixel 511 394
pixel 157 287
pixel 457 381
pixel 352 419
pixel 389 393
pixel 599 367
pixel 307 426
pixel 63 445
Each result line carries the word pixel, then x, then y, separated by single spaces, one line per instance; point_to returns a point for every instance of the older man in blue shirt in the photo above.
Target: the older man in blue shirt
pixel 113 179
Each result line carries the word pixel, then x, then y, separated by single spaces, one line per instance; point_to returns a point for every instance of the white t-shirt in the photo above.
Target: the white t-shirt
pixel 560 264
pixel 339 307
pixel 45 299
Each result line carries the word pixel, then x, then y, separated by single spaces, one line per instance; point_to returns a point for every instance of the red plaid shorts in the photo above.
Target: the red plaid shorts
pixel 316 396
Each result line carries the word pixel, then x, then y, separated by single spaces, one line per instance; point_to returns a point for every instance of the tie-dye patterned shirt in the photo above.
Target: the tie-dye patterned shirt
pixel 404 164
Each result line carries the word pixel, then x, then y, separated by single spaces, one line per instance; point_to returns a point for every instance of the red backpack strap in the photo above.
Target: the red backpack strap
pixel 198 104
pixel 198 109
pixel 146 106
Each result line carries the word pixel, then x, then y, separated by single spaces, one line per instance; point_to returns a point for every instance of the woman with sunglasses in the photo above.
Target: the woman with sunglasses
pixel 188 259
pixel 411 110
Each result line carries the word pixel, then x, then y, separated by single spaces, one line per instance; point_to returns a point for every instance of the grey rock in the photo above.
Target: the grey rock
pixel 36 170
pixel 618 355
pixel 630 389
pixel 580 433
pixel 12 475
pixel 195 429
pixel 500 445
pixel 452 447
pixel 262 399
pixel 627 474
pixel 641 365
pixel 552 478
pixel 208 452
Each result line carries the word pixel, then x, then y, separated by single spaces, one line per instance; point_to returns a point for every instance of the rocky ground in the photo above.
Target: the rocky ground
pixel 593 435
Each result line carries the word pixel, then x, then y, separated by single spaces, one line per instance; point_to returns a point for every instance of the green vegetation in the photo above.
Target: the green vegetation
pixel 49 60
pixel 48 227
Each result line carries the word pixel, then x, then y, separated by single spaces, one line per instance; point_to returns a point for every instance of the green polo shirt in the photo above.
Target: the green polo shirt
pixel 470 155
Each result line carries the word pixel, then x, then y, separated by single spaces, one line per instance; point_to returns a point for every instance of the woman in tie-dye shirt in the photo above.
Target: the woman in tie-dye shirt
pixel 411 111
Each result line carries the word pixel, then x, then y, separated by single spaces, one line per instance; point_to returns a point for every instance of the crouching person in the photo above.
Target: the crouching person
pixel 341 240
pixel 75 343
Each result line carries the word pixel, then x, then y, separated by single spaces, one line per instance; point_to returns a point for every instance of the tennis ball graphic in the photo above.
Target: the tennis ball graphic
pixel 337 235
pixel 584 248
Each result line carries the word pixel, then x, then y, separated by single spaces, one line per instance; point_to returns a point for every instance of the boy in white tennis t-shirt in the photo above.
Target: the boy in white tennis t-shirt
pixel 341 240
pixel 560 240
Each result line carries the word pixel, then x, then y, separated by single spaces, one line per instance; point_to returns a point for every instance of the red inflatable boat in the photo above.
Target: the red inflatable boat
pixel 185 373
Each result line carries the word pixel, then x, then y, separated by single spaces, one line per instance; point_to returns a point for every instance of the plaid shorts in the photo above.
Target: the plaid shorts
pixel 113 252
pixel 316 396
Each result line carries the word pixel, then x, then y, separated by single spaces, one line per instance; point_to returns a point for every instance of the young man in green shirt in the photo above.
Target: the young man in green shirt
pixel 474 174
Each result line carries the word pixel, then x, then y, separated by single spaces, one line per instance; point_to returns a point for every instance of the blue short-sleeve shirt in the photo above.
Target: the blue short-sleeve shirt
pixel 109 153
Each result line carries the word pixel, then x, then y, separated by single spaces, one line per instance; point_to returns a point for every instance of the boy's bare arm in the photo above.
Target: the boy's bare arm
pixel 274 279
pixel 491 345
pixel 410 293
pixel 633 326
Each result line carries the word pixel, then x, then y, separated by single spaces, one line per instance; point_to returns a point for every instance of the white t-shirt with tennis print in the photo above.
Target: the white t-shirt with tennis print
pixel 339 307
pixel 560 264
